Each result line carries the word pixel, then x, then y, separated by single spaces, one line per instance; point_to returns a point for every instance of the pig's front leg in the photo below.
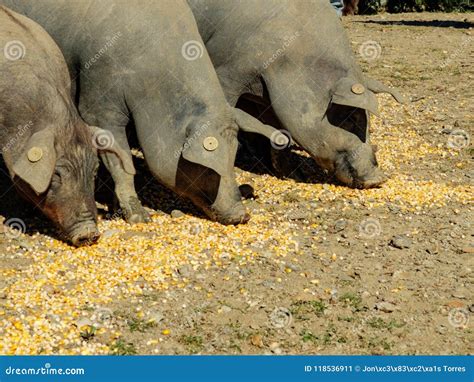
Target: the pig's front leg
pixel 129 204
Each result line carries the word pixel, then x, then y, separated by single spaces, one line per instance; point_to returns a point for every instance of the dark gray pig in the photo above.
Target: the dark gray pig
pixel 46 146
pixel 145 62
pixel 295 56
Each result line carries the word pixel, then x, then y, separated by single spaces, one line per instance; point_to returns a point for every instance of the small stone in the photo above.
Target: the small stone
pixel 226 309
pixel 83 322
pixel 401 242
pixel 459 294
pixel 177 214
pixel 104 314
pixel 439 117
pixel 109 233
pixel 277 351
pixel 185 270
pixel 447 129
pixel 274 345
pixel 338 226
pixel 468 249
pixel 257 340
pixel 385 306
pixel 155 316
pixel 294 267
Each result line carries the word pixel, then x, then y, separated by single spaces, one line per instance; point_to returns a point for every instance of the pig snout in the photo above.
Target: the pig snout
pixel 84 234
pixel 83 230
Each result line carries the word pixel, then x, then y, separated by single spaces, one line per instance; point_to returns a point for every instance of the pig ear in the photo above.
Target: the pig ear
pixel 378 87
pixel 349 92
pixel 36 163
pixel 206 150
pixel 104 141
pixel 250 124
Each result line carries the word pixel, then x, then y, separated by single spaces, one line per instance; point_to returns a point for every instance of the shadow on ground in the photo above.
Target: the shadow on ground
pixel 423 23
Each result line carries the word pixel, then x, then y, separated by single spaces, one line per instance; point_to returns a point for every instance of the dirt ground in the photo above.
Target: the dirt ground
pixel 319 269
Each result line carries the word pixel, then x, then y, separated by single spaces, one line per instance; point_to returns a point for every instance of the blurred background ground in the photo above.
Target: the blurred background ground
pixel 320 268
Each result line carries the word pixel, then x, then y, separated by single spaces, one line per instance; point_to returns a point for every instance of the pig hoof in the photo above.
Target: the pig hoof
pixel 135 213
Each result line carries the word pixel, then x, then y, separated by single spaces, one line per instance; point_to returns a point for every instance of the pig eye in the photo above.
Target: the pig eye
pixel 56 179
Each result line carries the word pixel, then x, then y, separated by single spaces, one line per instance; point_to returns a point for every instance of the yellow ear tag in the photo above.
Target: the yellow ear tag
pixel 35 154
pixel 210 143
pixel 358 89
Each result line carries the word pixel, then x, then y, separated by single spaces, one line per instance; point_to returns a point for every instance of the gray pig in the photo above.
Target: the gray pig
pixel 145 62
pixel 294 55
pixel 46 146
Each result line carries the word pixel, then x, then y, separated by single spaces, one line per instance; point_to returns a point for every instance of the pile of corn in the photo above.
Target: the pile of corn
pixel 41 305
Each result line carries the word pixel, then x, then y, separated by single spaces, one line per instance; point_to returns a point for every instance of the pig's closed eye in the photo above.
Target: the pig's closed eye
pixel 56 179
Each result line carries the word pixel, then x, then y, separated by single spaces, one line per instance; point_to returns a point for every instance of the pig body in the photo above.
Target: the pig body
pixel 46 146
pixel 294 57
pixel 145 62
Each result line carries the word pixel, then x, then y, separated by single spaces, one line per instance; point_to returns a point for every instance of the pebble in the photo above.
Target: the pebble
pixel 226 309
pixel 109 233
pixel 339 226
pixel 294 267
pixel 155 316
pixel 185 270
pixel 104 314
pixel 401 242
pixel 385 306
pixel 177 214
pixel 257 340
pixel 84 321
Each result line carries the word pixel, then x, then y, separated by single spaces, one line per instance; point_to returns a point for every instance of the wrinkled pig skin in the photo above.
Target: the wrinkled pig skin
pixel 47 148
pixel 145 62
pixel 294 56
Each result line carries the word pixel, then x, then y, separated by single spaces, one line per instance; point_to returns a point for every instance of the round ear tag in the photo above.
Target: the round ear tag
pixel 210 143
pixel 35 154
pixel 358 89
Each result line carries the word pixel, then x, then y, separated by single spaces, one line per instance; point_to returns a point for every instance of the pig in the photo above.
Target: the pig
pixel 350 7
pixel 47 148
pixel 294 56
pixel 145 62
